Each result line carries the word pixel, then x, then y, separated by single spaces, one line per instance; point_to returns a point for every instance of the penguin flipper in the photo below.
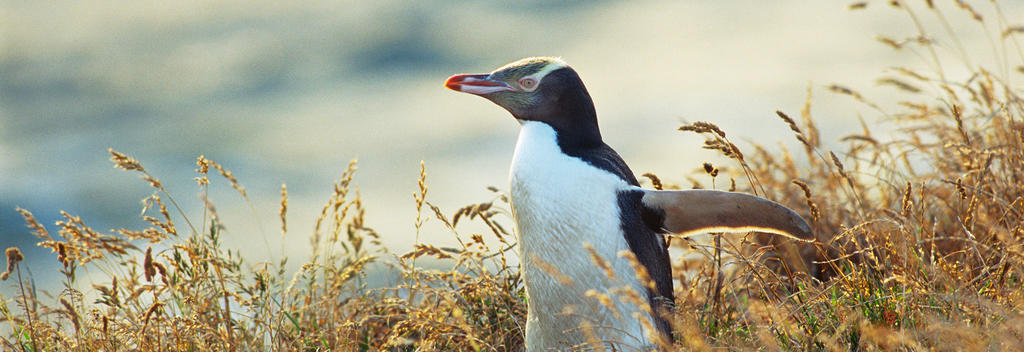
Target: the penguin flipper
pixel 697 210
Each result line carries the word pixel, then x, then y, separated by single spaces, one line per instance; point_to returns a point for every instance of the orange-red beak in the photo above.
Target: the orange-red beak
pixel 476 84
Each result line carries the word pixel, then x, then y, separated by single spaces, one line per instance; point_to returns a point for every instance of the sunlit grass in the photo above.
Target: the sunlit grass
pixel 920 234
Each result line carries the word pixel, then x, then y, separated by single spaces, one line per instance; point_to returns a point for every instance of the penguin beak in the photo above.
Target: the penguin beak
pixel 476 84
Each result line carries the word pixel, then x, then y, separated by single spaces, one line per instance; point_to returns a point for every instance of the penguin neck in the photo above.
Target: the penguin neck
pixel 576 123
pixel 579 136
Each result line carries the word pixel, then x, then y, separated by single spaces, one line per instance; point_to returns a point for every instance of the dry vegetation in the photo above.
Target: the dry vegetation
pixel 920 248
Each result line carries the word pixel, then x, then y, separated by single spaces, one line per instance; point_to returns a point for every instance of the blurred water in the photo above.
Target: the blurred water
pixel 283 92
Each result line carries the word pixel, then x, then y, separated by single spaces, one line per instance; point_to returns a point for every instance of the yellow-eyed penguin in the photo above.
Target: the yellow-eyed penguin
pixel 568 188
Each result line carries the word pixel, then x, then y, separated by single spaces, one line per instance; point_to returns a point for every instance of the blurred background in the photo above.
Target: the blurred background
pixel 289 92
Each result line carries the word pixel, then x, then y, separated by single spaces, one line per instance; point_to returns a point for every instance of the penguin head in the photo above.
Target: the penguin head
pixel 541 89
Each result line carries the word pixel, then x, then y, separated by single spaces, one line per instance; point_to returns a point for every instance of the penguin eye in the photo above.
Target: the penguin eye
pixel 528 84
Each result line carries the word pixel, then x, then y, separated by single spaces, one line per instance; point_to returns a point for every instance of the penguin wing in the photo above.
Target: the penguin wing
pixel 697 210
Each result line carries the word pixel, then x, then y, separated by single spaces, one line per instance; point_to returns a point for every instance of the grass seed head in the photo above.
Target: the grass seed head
pixel 13 257
pixel 703 127
pixel 655 181
pixel 599 261
pixel 147 265
pixel 37 229
pixel 123 161
pixel 815 213
pixel 284 209
pixel 641 270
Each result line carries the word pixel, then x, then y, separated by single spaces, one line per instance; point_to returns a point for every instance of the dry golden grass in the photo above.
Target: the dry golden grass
pixel 920 248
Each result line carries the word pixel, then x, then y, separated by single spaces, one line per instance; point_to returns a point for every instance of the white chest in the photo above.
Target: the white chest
pixel 560 203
